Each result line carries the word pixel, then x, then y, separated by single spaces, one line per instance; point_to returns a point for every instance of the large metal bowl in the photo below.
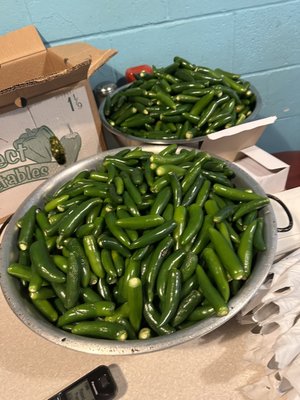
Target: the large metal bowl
pixel 129 140
pixel 33 320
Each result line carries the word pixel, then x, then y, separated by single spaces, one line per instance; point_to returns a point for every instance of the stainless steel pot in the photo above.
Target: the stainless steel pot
pixel 130 140
pixel 33 320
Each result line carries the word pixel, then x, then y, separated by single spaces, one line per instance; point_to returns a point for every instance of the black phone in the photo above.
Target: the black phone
pixel 98 384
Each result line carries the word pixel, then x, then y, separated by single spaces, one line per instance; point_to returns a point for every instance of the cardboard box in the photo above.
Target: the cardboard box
pixel 44 96
pixel 270 172
pixel 237 144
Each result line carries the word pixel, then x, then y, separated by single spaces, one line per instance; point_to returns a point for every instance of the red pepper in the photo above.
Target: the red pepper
pixel 131 72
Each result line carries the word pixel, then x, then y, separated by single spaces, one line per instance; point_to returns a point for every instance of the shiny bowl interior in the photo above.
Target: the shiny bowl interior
pixel 22 308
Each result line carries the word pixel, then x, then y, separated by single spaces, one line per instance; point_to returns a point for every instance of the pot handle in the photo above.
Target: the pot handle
pixel 287 211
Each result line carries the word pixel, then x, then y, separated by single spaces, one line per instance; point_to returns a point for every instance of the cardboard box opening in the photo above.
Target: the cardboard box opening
pixel 30 68
pixel 23 57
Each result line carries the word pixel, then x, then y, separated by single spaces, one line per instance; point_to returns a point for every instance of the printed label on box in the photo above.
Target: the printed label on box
pixel 41 139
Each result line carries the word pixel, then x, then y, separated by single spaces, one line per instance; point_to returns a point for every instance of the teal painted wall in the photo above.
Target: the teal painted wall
pixel 259 39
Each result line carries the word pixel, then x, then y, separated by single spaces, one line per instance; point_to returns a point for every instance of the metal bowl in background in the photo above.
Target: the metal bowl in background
pixel 123 139
pixel 26 312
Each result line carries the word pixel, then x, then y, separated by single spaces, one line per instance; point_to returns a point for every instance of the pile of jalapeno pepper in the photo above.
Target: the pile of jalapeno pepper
pixel 143 245
pixel 180 101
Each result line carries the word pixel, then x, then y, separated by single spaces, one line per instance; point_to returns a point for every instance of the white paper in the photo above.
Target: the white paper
pixel 275 314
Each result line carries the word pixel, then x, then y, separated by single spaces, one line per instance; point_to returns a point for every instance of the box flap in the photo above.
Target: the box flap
pixel 20 43
pixel 27 69
pixel 256 170
pixel 42 84
pixel 76 53
pixel 265 168
pixel 229 142
pixel 263 158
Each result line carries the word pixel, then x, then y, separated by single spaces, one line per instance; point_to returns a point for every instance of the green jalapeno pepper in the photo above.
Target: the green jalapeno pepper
pixel 200 313
pixel 194 223
pixel 89 295
pixel 161 201
pixel 108 265
pixel 202 239
pixel 217 272
pixel 132 270
pixel 53 203
pixel 36 280
pixel 84 230
pixel 111 243
pixel 191 194
pixel 100 329
pixel 211 207
pixel 202 103
pixel 152 317
pixel 245 249
pixel 159 184
pixel 115 230
pixel 141 253
pixel 130 204
pixel 174 159
pixel 172 297
pixel 172 261
pixel 186 307
pixel 159 254
pixel 226 254
pixel 75 246
pixel 203 192
pixel 140 222
pixel 103 289
pixel 211 293
pixel 234 193
pixel 168 212
pixel 93 255
pixel 225 213
pixel 27 228
pixel 118 261
pixel 250 206
pixel 42 220
pixel 23 257
pixel 190 284
pixel 154 235
pixel 86 311
pixel 180 218
pixel 188 265
pixel 45 266
pixel 72 281
pixel 135 302
pixel 43 294
pixel 68 224
pixel 258 240
pixel 20 271
pixel 130 187
pixel 46 309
